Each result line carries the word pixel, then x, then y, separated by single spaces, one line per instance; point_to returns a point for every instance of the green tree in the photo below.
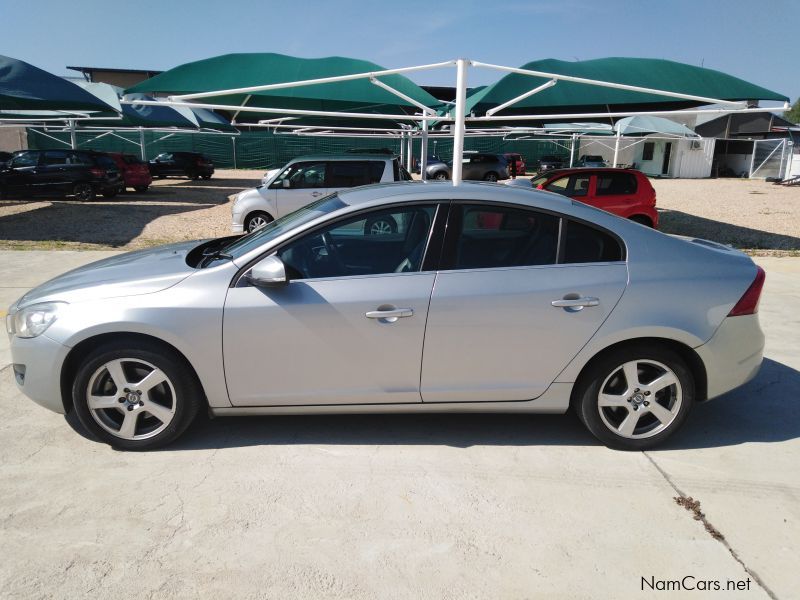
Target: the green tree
pixel 793 114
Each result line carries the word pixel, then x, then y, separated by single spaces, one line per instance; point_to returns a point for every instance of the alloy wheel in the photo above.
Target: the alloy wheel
pixel 83 192
pixel 131 399
pixel 639 399
pixel 256 222
pixel 380 227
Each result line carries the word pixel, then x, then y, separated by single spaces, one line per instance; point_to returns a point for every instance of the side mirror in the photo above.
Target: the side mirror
pixel 286 184
pixel 540 186
pixel 269 272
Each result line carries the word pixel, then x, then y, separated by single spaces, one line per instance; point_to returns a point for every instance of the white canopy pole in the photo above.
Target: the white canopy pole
pixel 458 122
pixel 423 152
pixel 616 150
pixel 521 97
pixel 403 148
pixel 73 140
pixel 572 149
pixel 410 153
pixel 142 150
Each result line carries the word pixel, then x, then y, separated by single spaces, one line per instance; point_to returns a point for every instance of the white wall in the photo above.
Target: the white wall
pixel 13 138
pixel 690 162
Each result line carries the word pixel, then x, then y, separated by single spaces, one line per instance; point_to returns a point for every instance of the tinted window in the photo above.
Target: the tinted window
pixel 586 244
pixel 353 173
pixel 302 175
pixel 25 159
pixel 55 157
pixel 382 241
pixel 493 237
pixel 80 158
pixel 164 156
pixel 404 175
pixel 106 162
pixel 559 186
pixel 609 184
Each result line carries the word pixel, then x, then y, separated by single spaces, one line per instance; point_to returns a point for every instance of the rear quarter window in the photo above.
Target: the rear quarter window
pixel 585 244
pixel 615 184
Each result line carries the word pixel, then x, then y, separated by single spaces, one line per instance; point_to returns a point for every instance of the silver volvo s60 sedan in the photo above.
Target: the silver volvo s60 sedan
pixel 482 298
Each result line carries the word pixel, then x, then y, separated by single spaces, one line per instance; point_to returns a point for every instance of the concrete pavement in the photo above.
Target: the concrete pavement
pixel 413 506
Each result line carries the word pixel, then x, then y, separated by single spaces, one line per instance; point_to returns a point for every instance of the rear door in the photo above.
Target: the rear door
pixel 500 325
pixel 23 170
pixel 615 192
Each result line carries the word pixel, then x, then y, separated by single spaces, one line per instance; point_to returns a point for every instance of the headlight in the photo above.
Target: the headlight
pixel 33 320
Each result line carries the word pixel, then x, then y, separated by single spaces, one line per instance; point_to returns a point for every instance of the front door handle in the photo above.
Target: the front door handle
pixel 389 315
pixel 575 302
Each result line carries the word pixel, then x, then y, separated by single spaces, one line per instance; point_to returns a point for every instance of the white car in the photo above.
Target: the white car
pixel 307 178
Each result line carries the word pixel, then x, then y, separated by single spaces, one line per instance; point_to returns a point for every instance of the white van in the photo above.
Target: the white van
pixel 307 178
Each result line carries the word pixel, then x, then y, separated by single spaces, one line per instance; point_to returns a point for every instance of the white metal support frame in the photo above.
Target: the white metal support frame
pixel 459 124
pixel 521 97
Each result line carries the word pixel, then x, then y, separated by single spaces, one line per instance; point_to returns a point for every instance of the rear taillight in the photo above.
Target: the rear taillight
pixel 96 172
pixel 748 303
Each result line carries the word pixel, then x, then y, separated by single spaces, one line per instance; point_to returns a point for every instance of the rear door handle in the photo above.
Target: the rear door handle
pixel 390 315
pixel 577 303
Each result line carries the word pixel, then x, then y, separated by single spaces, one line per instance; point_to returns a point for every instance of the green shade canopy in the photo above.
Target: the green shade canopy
pixel 569 97
pixel 24 87
pixel 233 71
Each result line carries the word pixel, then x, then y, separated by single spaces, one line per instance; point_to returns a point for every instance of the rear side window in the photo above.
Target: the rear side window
pixel 584 244
pixel 343 174
pixel 612 184
pixel 105 162
pixel 493 237
pixel 55 157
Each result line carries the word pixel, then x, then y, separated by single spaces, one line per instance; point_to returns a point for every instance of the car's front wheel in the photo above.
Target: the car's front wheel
pixel 636 397
pixel 380 226
pixel 206 177
pixel 440 176
pixel 135 395
pixel 490 176
pixel 141 188
pixel 256 220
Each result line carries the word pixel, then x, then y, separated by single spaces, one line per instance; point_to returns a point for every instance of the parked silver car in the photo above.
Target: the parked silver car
pixel 486 298
pixel 307 178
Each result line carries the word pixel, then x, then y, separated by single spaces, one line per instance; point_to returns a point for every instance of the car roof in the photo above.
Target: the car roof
pixel 349 156
pixel 399 191
pixel 569 171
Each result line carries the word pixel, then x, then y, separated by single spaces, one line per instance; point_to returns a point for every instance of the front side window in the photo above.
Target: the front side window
pixel 391 240
pixel 302 175
pixel 492 237
pixel 25 159
pixel 579 185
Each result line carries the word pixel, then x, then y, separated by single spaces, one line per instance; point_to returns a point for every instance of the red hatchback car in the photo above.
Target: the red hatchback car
pixel 624 192
pixel 515 160
pixel 135 173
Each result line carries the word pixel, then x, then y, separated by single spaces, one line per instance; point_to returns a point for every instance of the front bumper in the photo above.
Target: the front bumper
pixel 733 355
pixel 37 364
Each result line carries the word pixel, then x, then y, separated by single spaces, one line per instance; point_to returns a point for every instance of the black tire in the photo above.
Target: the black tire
pixel 141 188
pixel 607 369
pixel 206 177
pixel 84 192
pixel 440 176
pixel 193 176
pixel 256 220
pixel 110 193
pixel 642 220
pixel 159 176
pixel 188 395
pixel 491 176
pixel 380 226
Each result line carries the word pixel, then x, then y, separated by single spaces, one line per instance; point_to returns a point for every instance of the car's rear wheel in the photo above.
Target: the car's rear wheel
pixel 206 177
pixel 256 220
pixel 135 396
pixel 490 176
pixel 642 220
pixel 636 397
pixel 440 176
pixel 141 188
pixel 110 193
pixel 84 192
pixel 193 176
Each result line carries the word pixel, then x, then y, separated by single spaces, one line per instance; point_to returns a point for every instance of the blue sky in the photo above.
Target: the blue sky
pixel 752 40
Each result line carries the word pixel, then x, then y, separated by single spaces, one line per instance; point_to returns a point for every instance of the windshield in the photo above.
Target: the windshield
pixel 272 230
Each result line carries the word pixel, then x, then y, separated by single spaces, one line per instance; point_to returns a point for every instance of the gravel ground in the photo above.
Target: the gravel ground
pixel 747 214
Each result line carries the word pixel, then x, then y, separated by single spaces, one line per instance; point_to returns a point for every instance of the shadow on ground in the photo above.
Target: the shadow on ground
pixel 680 223
pixel 112 224
pixel 227 186
pixel 765 410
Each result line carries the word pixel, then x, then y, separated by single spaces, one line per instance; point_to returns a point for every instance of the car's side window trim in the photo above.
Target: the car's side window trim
pixel 453 230
pixel 428 259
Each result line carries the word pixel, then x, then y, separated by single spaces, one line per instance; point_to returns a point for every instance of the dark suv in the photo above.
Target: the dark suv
pixel 79 173
pixel 476 166
pixel 190 164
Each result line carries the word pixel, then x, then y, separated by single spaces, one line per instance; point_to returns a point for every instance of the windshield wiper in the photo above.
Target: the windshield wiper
pixel 209 255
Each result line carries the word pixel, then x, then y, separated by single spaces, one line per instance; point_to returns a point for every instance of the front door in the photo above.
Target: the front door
pixel 667 153
pixel 502 323
pixel 300 184
pixel 348 327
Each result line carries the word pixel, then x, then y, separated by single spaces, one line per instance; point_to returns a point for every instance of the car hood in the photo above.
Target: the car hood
pixel 129 274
